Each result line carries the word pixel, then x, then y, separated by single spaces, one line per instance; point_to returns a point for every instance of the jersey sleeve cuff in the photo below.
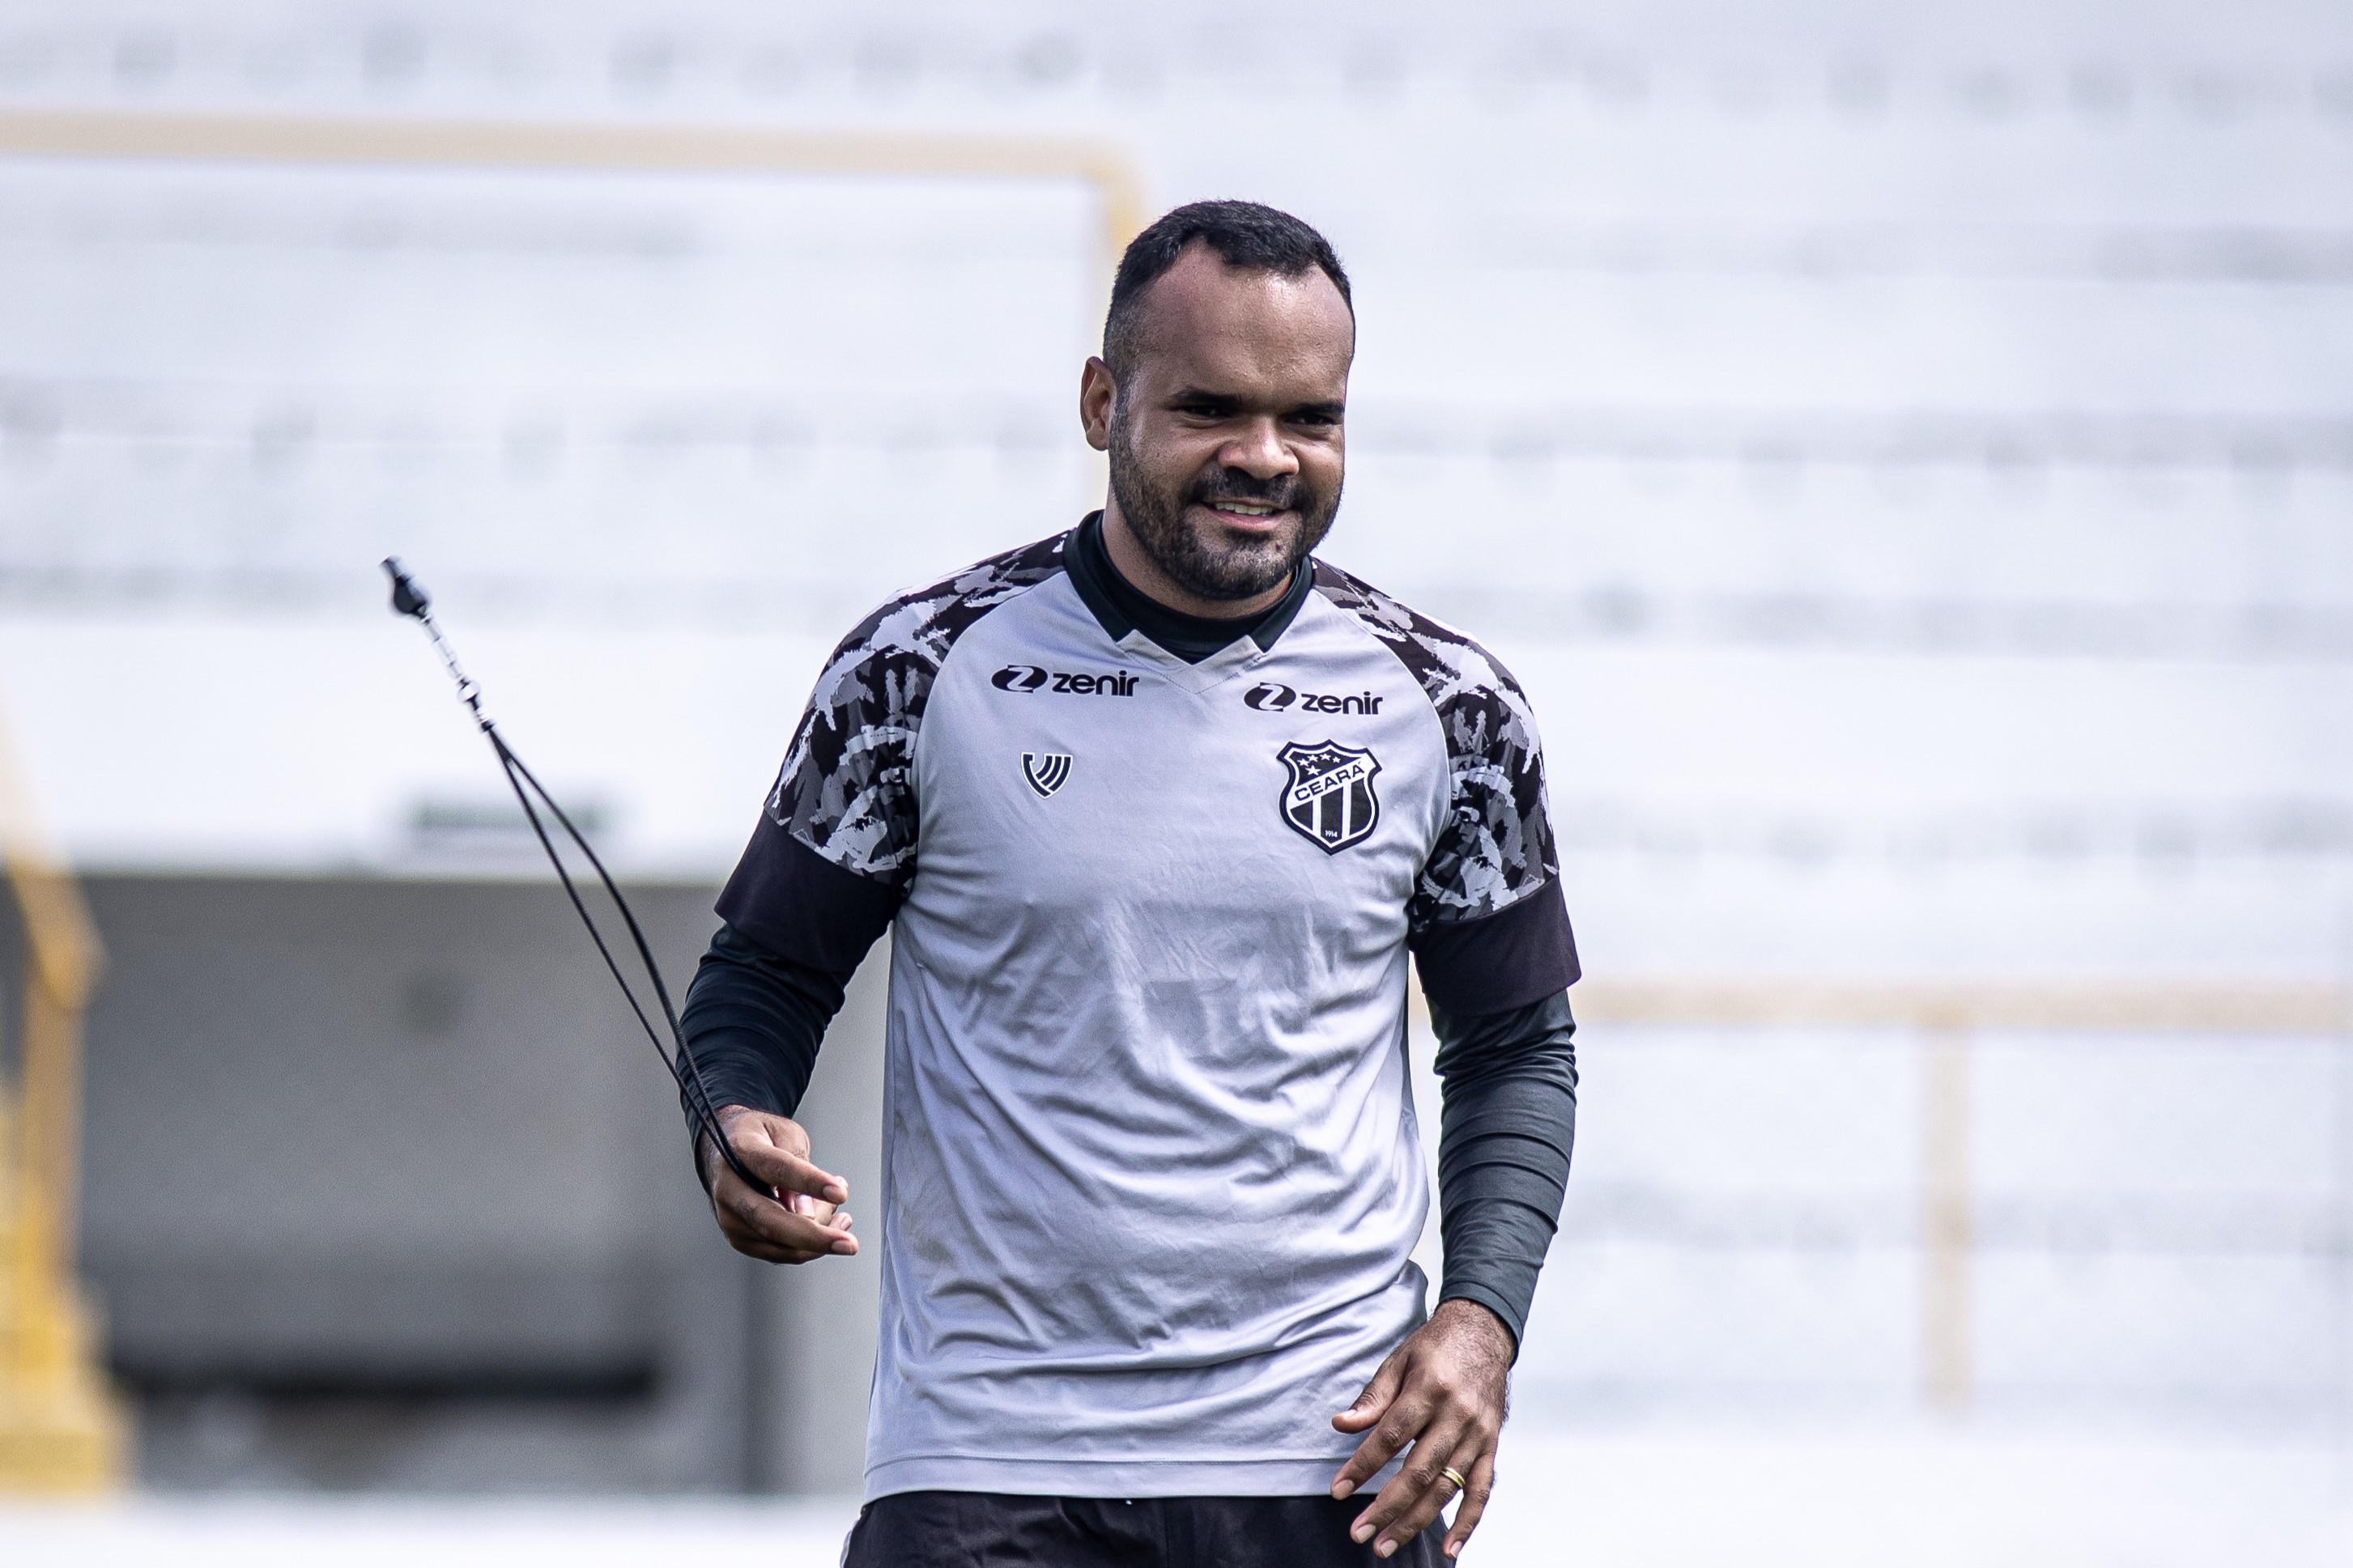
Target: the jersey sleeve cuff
pixel 799 905
pixel 1522 953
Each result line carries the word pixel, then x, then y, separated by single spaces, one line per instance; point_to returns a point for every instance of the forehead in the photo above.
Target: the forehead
pixel 1206 324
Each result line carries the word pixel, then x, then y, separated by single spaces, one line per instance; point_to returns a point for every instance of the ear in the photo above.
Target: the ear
pixel 1098 396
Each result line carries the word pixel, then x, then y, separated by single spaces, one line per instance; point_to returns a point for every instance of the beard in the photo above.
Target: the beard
pixel 1198 560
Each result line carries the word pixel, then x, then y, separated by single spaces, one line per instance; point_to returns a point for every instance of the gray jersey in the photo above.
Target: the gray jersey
pixel 1152 1175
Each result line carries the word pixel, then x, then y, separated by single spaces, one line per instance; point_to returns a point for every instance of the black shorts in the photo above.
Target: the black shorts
pixel 989 1529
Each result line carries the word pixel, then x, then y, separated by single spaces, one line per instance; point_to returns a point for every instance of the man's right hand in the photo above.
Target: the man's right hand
pixel 800 1216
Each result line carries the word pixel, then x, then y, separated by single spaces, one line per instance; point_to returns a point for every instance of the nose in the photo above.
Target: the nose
pixel 1259 451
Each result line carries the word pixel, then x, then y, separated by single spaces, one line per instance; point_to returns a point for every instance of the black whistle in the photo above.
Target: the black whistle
pixel 407 598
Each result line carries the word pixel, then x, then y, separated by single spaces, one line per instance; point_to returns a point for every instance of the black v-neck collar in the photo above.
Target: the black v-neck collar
pixel 1123 607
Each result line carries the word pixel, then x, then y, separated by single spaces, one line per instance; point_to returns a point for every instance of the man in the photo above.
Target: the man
pixel 1159 807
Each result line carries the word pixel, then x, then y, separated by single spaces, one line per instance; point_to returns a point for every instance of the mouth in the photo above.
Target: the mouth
pixel 1247 516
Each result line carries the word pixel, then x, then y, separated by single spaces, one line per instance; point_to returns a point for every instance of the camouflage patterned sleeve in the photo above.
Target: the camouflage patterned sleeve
pixel 848 786
pixel 1496 845
pixel 836 848
pixel 1489 928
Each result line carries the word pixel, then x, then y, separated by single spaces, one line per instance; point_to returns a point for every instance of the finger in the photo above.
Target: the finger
pixel 764 1217
pixel 816 1209
pixel 767 1251
pixel 752 1244
pixel 776 1148
pixel 830 1218
pixel 1418 1491
pixel 760 1251
pixel 781 1168
pixel 1398 1424
pixel 1376 1396
pixel 759 1211
pixel 1475 1503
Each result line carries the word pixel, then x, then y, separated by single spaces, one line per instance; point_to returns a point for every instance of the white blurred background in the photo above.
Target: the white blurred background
pixel 1906 452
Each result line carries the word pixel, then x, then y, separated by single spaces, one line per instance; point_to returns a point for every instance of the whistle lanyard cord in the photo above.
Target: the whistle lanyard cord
pixel 680 1060
pixel 683 1069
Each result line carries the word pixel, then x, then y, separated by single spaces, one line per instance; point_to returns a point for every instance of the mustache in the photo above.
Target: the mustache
pixel 1281 492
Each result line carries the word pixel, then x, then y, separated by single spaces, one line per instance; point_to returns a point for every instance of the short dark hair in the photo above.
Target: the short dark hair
pixel 1243 234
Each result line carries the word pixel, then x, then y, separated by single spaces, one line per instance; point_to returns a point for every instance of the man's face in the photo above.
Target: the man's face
pixel 1226 438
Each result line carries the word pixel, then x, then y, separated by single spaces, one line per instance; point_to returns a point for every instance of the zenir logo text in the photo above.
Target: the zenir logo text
pixel 1033 677
pixel 1274 696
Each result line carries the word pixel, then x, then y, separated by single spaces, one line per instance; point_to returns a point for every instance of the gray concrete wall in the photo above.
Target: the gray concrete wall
pixel 383 1188
pixel 821 1316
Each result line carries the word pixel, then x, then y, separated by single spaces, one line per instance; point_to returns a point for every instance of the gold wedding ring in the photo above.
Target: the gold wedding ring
pixel 1451 1473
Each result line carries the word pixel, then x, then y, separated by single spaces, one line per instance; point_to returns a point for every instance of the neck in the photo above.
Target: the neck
pixel 1144 574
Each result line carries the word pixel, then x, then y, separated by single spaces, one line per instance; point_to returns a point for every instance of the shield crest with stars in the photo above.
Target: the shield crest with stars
pixel 1329 799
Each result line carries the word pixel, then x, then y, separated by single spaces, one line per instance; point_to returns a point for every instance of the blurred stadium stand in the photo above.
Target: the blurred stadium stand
pixel 382 1189
pixel 1906 454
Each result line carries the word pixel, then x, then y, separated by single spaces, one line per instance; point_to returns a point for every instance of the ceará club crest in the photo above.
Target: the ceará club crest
pixel 1329 799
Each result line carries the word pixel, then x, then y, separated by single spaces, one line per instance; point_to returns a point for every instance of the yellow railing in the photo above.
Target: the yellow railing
pixel 555 145
pixel 61 1428
pixel 1944 1017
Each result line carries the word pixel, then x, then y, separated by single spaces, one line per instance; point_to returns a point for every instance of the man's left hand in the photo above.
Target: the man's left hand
pixel 1442 1391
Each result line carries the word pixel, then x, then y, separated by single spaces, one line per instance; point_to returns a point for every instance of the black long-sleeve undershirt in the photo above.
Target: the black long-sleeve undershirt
pixel 753 1020
pixel 1508 1081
